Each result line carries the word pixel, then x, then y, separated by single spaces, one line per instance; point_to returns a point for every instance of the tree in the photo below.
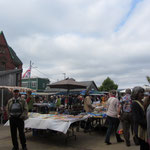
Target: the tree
pixel 108 85
pixel 148 79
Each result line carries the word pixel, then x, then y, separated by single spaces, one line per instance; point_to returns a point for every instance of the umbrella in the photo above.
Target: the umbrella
pixel 68 83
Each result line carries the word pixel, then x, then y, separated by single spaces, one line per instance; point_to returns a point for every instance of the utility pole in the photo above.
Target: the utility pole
pixel 30 75
pixel 64 75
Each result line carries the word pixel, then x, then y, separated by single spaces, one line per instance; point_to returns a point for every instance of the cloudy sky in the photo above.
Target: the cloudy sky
pixel 85 39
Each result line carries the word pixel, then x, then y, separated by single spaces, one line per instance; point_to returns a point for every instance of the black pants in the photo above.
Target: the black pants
pixel 127 123
pixel 17 123
pixel 113 124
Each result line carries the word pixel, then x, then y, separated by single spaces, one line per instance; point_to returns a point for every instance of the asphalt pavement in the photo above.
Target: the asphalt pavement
pixel 53 141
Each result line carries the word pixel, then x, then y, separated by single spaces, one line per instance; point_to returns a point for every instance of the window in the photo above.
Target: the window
pixel 33 83
pixel 2 50
pixel 43 85
pixel 24 84
pixel 2 66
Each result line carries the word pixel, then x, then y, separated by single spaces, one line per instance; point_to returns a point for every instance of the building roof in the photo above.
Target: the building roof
pixel 88 85
pixel 14 57
pixel 2 73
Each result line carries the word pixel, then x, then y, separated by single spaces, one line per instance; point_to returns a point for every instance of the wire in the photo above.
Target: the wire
pixel 47 74
pixel 44 74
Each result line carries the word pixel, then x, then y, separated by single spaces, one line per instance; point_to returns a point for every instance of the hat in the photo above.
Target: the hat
pixel 16 90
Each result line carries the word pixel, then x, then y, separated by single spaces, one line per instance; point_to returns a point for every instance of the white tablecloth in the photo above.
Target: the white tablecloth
pixel 53 124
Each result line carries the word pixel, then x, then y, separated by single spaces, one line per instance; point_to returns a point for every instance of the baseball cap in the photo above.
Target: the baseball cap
pixel 16 90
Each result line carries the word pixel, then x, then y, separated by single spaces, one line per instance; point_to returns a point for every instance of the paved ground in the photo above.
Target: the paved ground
pixel 85 141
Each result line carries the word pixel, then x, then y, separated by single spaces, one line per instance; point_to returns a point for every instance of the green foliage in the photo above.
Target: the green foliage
pixel 148 78
pixel 108 85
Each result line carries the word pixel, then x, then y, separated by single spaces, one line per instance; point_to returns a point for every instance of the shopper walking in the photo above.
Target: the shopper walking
pixel 112 117
pixel 126 115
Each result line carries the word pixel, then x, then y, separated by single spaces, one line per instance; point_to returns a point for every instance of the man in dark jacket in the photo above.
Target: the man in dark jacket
pixel 17 112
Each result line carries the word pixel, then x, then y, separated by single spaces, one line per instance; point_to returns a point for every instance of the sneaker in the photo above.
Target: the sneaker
pixel 128 143
pixel 25 148
pixel 136 140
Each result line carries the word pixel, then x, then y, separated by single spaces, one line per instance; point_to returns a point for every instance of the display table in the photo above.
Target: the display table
pixel 97 118
pixel 55 122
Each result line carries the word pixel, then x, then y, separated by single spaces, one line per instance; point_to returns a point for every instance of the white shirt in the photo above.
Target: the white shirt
pixel 112 105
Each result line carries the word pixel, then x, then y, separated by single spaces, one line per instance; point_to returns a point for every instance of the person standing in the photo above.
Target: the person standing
pixel 139 117
pixel 17 110
pixel 88 103
pixel 126 115
pixel 112 117
pixel 88 108
pixel 30 101
pixel 148 123
pixel 58 102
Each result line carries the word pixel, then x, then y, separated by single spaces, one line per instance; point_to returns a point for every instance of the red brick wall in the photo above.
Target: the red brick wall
pixel 6 57
pixel 4 54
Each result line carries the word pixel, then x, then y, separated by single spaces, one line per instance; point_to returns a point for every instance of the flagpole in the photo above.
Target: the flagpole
pixel 30 76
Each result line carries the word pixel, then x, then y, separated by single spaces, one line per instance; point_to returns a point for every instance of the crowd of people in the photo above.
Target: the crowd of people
pixel 132 110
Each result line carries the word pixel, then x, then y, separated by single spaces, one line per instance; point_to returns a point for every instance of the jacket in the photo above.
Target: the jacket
pixel 88 104
pixel 30 102
pixel 139 117
pixel 23 104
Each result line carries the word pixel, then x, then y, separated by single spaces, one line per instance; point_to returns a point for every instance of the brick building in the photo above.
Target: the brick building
pixel 10 64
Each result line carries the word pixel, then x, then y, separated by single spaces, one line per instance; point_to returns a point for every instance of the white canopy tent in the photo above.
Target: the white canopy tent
pixel 146 88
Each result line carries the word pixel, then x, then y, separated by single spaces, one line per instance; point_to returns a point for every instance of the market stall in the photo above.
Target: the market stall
pixel 98 116
pixel 55 122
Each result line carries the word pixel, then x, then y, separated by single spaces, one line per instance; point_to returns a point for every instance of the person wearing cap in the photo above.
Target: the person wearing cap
pixel 17 110
pixel 112 117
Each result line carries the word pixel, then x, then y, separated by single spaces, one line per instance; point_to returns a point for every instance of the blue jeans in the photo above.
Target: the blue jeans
pixel 113 124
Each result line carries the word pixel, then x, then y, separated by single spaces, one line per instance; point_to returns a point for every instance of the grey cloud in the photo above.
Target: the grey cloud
pixel 77 37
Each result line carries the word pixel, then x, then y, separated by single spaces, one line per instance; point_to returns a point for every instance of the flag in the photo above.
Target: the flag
pixel 27 73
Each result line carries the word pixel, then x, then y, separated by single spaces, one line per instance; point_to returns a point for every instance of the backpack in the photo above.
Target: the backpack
pixel 16 109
